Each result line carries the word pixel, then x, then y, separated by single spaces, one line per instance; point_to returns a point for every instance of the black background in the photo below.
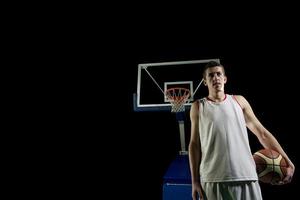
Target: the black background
pixel 77 73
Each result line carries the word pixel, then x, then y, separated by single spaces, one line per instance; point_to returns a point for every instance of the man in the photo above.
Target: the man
pixel 219 149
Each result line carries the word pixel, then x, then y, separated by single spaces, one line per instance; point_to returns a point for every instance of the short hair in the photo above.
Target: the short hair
pixel 211 64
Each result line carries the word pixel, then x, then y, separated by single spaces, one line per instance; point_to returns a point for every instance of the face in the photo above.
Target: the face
pixel 215 79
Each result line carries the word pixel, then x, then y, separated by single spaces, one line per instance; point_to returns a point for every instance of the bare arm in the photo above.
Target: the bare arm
pixel 195 151
pixel 267 140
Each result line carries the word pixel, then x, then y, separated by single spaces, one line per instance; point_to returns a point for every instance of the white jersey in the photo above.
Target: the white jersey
pixel 226 154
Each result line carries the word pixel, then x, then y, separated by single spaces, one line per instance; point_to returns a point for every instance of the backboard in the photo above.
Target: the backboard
pixel 153 79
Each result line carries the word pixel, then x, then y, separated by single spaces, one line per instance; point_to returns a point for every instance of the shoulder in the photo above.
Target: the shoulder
pixel 242 101
pixel 194 111
pixel 238 97
pixel 198 102
pixel 195 103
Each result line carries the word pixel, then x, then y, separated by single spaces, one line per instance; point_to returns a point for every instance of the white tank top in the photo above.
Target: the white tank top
pixel 226 154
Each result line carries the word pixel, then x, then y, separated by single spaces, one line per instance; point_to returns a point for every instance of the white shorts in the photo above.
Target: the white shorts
pixel 240 190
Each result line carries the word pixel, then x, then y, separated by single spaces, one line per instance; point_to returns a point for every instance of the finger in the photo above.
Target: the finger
pixel 194 196
pixel 277 183
pixel 287 179
pixel 200 196
pixel 280 183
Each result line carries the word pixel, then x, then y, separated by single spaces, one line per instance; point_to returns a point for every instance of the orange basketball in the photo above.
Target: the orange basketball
pixel 270 165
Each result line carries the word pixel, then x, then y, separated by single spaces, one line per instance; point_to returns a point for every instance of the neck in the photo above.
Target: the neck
pixel 217 97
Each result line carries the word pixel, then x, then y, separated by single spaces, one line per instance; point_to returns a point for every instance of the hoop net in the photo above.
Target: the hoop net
pixel 178 97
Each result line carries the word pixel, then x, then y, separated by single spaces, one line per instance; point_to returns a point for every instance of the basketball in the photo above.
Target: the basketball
pixel 270 166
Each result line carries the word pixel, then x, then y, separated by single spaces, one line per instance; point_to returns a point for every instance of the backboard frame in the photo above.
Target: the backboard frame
pixel 166 106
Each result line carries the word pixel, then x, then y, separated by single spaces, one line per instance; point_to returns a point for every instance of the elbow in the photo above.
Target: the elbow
pixel 190 146
pixel 193 146
pixel 265 136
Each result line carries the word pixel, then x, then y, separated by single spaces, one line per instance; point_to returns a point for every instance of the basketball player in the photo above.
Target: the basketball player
pixel 221 162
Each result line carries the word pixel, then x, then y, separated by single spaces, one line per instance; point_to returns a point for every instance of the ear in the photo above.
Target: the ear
pixel 204 82
pixel 225 79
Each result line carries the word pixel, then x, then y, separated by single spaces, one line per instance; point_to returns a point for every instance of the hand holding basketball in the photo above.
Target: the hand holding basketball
pixel 289 174
pixel 271 167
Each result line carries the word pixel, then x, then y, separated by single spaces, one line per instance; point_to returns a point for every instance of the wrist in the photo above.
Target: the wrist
pixel 195 180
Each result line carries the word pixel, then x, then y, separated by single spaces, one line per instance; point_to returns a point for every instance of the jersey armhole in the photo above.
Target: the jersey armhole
pixel 198 105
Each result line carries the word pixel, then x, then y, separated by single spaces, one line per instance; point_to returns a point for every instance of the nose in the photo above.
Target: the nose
pixel 215 77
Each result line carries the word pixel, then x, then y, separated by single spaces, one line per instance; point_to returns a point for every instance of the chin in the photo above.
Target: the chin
pixel 219 88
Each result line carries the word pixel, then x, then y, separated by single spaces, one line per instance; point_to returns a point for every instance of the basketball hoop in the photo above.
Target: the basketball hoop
pixel 178 97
